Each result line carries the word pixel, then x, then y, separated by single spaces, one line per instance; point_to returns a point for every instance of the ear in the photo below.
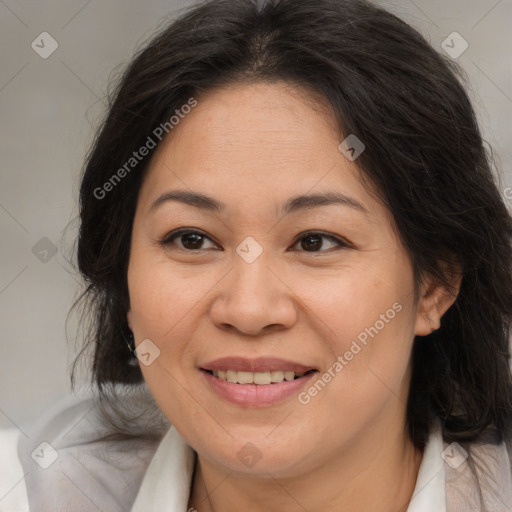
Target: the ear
pixel 435 299
pixel 129 319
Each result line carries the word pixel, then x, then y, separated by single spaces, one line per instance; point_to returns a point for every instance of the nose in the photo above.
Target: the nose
pixel 253 299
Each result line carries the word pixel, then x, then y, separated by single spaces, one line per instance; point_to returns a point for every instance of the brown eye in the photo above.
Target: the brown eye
pixel 188 240
pixel 315 242
pixel 312 243
pixel 191 241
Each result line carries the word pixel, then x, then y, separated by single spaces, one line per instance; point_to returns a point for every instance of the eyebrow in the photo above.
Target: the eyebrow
pixel 294 204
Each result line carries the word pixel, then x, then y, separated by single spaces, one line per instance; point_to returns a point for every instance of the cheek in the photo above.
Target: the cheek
pixel 356 301
pixel 366 317
pixel 160 295
pixel 162 305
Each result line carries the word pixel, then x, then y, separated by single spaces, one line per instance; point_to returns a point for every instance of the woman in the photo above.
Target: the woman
pixel 289 217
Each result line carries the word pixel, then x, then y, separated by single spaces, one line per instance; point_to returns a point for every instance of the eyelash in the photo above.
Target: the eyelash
pixel 173 235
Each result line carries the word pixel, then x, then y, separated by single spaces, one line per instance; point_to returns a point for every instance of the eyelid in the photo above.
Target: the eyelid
pixel 171 236
pixel 342 242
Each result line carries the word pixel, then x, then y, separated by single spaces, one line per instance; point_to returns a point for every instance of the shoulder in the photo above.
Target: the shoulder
pixel 478 475
pixel 72 458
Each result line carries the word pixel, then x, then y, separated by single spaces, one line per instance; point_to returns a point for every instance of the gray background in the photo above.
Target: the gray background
pixel 49 108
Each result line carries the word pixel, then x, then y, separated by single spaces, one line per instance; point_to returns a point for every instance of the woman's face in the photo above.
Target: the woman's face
pixel 288 264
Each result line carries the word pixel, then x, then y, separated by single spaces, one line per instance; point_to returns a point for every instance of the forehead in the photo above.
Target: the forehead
pixel 254 142
pixel 257 117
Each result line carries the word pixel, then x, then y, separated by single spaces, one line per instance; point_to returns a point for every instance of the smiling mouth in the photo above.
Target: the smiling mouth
pixel 258 378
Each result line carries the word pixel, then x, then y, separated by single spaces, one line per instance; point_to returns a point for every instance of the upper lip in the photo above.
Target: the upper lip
pixel 260 364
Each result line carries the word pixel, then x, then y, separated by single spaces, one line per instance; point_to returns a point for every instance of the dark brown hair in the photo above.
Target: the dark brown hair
pixel 424 156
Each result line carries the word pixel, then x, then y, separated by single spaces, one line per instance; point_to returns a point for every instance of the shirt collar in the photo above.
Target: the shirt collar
pixel 166 484
pixel 429 493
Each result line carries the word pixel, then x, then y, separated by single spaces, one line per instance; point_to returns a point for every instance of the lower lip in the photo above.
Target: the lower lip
pixel 255 395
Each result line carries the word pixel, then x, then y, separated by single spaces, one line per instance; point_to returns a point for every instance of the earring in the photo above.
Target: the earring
pixel 131 344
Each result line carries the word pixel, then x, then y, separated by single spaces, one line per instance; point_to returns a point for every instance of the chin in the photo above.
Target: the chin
pixel 259 455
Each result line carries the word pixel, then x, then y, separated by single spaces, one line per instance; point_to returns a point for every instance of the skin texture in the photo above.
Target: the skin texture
pixel 253 147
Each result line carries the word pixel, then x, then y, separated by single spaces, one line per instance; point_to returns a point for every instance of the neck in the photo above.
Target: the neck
pixel 377 474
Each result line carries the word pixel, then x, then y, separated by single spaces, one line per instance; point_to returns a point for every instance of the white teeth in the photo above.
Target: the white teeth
pixel 232 376
pixel 260 378
pixel 289 375
pixel 277 375
pixel 245 377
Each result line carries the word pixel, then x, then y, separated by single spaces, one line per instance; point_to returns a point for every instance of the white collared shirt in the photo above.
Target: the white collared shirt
pixel 174 462
pixel 13 491
pixel 167 481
